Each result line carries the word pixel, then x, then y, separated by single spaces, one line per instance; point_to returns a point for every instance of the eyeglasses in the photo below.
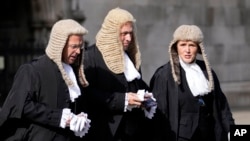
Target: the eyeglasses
pixel 75 46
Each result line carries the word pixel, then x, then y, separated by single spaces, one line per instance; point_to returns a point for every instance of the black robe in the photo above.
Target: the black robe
pixel 33 108
pixel 167 119
pixel 106 101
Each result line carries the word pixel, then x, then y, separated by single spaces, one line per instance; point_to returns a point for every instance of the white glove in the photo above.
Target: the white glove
pixel 73 123
pixel 150 113
pixel 81 121
pixel 77 123
pixel 80 124
pixel 85 130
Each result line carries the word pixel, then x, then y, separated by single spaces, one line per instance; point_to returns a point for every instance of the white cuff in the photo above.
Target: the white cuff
pixel 126 102
pixel 66 115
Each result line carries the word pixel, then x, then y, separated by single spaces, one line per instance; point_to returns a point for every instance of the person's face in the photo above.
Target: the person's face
pixel 187 50
pixel 126 34
pixel 72 49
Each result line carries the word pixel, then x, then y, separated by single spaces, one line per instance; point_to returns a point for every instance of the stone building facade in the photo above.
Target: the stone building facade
pixel 225 23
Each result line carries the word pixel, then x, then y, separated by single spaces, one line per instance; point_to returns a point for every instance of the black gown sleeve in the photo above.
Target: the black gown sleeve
pixel 223 106
pixel 160 122
pixel 23 102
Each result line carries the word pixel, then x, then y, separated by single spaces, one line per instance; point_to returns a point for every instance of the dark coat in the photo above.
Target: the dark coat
pixel 166 120
pixel 106 100
pixel 33 109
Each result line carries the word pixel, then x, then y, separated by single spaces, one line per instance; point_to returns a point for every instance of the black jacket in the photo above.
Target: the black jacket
pixel 32 111
pixel 167 93
pixel 106 100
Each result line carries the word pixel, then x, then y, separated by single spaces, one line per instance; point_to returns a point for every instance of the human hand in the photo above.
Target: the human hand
pixel 134 99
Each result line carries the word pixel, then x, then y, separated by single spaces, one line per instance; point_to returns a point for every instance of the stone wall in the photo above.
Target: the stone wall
pixel 225 23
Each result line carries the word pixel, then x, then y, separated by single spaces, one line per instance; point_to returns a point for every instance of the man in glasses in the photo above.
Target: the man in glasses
pixel 42 104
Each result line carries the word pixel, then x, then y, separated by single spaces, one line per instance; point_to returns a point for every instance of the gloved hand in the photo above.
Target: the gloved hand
pixel 77 122
pixel 85 129
pixel 149 105
pixel 80 124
